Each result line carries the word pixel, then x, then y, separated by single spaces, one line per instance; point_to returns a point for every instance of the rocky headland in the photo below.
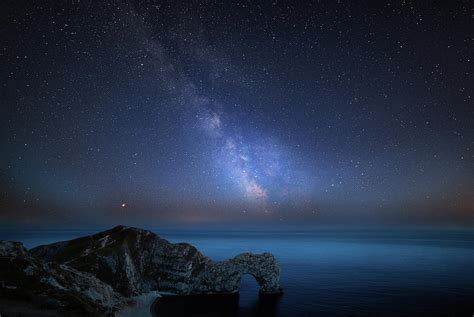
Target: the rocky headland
pixel 99 274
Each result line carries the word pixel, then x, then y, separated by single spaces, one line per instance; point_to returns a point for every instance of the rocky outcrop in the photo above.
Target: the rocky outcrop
pixel 224 277
pixel 105 269
pixel 135 261
pixel 51 285
pixel 132 260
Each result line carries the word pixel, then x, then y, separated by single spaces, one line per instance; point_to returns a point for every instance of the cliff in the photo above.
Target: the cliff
pixel 98 273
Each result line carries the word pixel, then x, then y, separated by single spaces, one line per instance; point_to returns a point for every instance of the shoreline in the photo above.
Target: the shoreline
pixel 153 305
pixel 143 305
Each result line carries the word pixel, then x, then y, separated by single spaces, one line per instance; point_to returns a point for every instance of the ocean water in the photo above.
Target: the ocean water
pixel 332 272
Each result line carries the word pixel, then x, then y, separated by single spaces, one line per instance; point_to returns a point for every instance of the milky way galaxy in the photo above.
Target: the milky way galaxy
pixel 237 112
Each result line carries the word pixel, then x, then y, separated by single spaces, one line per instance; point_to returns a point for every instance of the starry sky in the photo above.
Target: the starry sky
pixel 215 112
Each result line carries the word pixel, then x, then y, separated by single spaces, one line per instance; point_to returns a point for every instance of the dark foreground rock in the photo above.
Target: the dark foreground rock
pixel 98 273
pixel 52 286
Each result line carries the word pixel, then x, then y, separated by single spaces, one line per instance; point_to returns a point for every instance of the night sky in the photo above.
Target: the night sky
pixel 212 112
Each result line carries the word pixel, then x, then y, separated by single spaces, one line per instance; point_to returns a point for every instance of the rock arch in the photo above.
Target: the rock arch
pixel 263 267
pixel 224 277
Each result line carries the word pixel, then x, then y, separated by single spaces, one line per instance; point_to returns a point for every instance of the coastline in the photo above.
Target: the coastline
pixel 143 305
pixel 153 306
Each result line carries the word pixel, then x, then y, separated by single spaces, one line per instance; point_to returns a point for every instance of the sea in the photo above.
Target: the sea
pixel 328 272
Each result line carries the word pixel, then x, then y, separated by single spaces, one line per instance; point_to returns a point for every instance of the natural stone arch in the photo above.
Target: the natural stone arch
pixel 249 280
pixel 224 277
pixel 263 267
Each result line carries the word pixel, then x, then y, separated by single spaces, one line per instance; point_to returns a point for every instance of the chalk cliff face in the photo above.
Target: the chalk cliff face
pixel 131 260
pixel 113 265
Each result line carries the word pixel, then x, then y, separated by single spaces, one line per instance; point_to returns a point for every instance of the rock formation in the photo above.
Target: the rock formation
pixel 51 285
pixel 104 269
pixel 224 277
